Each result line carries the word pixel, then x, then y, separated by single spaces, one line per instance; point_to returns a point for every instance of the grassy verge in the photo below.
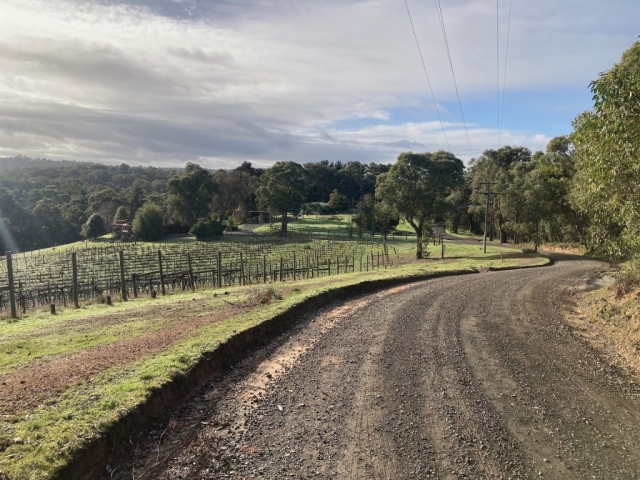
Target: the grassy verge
pixel 38 443
pixel 610 315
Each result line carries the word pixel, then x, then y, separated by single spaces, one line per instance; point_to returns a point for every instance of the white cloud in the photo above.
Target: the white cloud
pixel 221 82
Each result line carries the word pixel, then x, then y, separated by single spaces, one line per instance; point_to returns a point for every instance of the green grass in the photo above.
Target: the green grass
pixel 55 431
pixel 341 221
pixel 326 222
pixel 106 239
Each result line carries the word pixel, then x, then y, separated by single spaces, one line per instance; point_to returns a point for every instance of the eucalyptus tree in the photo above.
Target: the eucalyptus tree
pixel 417 187
pixel 282 189
pixel 607 143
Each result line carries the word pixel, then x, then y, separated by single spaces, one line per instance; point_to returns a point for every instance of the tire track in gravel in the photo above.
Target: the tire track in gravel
pixel 460 377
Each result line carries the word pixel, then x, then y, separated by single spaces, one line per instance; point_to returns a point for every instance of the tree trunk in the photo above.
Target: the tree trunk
pixel 283 226
pixel 419 244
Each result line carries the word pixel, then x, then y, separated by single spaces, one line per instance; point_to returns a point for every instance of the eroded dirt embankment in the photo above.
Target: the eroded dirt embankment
pixel 463 377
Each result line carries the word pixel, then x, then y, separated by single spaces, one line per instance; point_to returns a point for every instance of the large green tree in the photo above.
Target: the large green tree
pixel 607 143
pixel 148 223
pixel 417 187
pixel 283 189
pixel 497 167
pixel 95 227
pixel 190 194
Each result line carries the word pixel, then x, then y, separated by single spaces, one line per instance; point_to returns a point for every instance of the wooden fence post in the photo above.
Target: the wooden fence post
pixel 281 265
pixel 328 267
pixel 74 266
pixel 242 269
pixel 123 285
pixel 264 269
pixel 294 266
pixel 12 287
pixel 134 285
pixel 191 279
pixel 161 272
pixel 219 269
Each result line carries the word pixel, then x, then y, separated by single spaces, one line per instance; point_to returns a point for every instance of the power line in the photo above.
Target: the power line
pixel 424 67
pixel 455 83
pixel 504 81
pixel 498 62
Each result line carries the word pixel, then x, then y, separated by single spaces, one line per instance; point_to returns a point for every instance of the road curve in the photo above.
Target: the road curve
pixel 462 377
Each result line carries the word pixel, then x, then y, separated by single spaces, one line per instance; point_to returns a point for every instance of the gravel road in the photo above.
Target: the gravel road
pixel 463 377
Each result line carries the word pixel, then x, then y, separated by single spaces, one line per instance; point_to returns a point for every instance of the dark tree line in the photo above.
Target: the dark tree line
pixel 51 202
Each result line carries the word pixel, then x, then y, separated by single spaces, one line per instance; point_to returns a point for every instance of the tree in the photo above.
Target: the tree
pixel 282 189
pixel 232 188
pixel 607 155
pixel 457 202
pixel 537 206
pixel 190 194
pixel 148 223
pixel 207 230
pixel 338 202
pixel 375 216
pixel 50 226
pixel 495 166
pixel 417 186
pixel 95 227
pixel 122 215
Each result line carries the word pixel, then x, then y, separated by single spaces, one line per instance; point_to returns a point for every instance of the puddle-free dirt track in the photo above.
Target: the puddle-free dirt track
pixel 474 376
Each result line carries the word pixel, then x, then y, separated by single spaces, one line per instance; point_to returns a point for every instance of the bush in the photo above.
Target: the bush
pixel 149 222
pixel 207 230
pixel 232 224
pixel 95 227
pixel 122 214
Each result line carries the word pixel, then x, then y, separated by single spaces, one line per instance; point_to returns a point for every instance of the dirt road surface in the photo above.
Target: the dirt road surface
pixel 463 377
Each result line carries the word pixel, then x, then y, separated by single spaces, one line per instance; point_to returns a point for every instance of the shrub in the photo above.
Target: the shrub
pixel 122 214
pixel 207 230
pixel 148 223
pixel 95 227
pixel 232 224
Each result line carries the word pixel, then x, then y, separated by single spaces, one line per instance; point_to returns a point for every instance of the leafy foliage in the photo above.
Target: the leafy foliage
pixel 417 186
pixel 122 214
pixel 95 227
pixel 338 202
pixel 148 223
pixel 607 142
pixel 283 189
pixel 207 230
pixel 190 194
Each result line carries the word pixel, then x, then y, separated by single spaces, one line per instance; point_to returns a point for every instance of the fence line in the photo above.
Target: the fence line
pixel 128 270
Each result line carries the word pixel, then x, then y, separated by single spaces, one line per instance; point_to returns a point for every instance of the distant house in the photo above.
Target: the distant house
pixel 122 229
pixel 240 214
pixel 171 224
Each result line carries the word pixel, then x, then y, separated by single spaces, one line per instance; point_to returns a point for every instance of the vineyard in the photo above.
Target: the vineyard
pixel 129 270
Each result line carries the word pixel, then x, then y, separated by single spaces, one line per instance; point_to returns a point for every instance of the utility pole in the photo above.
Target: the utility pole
pixel 486 212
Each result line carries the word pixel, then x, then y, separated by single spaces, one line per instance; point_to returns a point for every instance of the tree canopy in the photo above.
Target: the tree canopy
pixel 607 143
pixel 282 189
pixel 417 186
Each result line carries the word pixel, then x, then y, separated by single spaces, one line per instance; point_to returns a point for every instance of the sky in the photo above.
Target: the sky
pixel 164 82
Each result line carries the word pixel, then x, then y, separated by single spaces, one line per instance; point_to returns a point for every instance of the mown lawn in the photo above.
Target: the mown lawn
pixel 38 440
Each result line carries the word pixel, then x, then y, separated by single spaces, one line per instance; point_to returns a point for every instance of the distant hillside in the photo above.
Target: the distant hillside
pixel 11 163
